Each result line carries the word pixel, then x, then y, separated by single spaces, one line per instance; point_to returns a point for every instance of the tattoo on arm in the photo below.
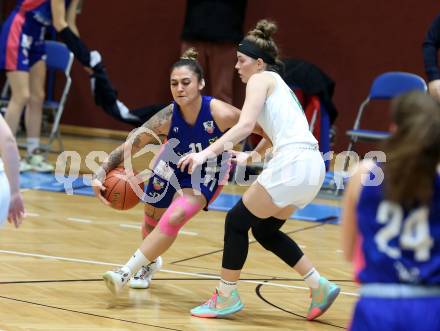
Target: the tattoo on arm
pixel 114 159
pixel 135 140
pixel 157 122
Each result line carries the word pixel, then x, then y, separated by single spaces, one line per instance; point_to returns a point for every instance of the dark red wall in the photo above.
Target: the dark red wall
pixel 138 42
pixel 352 40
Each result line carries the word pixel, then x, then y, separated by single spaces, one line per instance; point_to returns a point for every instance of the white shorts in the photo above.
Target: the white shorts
pixel 294 175
pixel 5 198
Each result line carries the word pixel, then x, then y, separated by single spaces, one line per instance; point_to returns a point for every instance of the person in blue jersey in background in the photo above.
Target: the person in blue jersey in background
pixel 22 56
pixel 391 231
pixel 173 197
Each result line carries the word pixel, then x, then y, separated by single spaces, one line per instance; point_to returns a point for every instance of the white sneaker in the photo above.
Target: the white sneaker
pixel 25 166
pixel 143 277
pixel 39 164
pixel 115 280
pixel 95 58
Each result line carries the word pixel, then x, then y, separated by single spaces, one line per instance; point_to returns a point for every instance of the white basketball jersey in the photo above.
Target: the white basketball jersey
pixel 283 119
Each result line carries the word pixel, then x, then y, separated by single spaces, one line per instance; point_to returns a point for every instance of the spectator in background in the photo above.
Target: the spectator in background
pixel 430 49
pixel 22 56
pixel 214 27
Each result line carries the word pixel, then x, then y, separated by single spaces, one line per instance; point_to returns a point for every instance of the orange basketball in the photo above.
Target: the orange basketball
pixel 118 191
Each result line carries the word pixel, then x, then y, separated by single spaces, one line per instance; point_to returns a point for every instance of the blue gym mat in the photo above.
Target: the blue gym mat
pixel 224 202
pixel 47 182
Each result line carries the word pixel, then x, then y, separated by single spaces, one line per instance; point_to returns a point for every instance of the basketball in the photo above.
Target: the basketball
pixel 118 191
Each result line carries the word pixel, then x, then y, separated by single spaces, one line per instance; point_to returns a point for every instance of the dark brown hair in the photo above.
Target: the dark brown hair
pixel 189 59
pixel 413 151
pixel 261 35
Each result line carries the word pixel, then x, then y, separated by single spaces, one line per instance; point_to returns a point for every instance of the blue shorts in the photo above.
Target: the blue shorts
pixel 21 43
pixel 167 180
pixel 159 192
pixel 396 314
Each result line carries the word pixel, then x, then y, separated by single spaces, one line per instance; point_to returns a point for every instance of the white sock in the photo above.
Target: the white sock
pixel 225 287
pixel 95 58
pixel 125 112
pixel 312 278
pixel 136 262
pixel 32 144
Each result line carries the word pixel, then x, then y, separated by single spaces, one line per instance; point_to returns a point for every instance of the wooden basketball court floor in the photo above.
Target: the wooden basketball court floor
pixel 50 270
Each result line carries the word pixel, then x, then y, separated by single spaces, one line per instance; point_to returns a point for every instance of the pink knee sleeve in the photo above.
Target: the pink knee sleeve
pixel 148 220
pixel 189 210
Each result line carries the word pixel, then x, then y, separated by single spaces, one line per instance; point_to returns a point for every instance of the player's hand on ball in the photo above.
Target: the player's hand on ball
pixel 98 188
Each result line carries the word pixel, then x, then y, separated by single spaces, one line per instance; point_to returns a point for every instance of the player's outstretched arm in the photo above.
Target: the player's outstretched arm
pixel 226 116
pixel 256 92
pixel 154 131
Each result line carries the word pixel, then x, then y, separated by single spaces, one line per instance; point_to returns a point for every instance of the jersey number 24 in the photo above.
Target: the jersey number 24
pixel 412 232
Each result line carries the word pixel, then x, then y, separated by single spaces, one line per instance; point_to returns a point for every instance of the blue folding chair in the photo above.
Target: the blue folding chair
pixel 59 58
pixel 385 87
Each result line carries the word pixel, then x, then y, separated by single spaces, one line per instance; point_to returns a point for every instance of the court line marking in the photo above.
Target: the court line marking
pixel 79 220
pixel 210 271
pixel 50 281
pixel 88 314
pixel 258 292
pixel 188 233
pixel 138 227
pixel 131 226
pixel 262 279
pixel 162 270
pixel 251 241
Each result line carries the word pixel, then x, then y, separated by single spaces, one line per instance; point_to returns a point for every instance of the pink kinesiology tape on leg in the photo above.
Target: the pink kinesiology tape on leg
pixel 148 220
pixel 189 209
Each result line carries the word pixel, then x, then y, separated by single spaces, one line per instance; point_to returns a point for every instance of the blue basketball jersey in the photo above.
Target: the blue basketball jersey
pixel 182 139
pixel 197 137
pixel 398 246
pixel 39 10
